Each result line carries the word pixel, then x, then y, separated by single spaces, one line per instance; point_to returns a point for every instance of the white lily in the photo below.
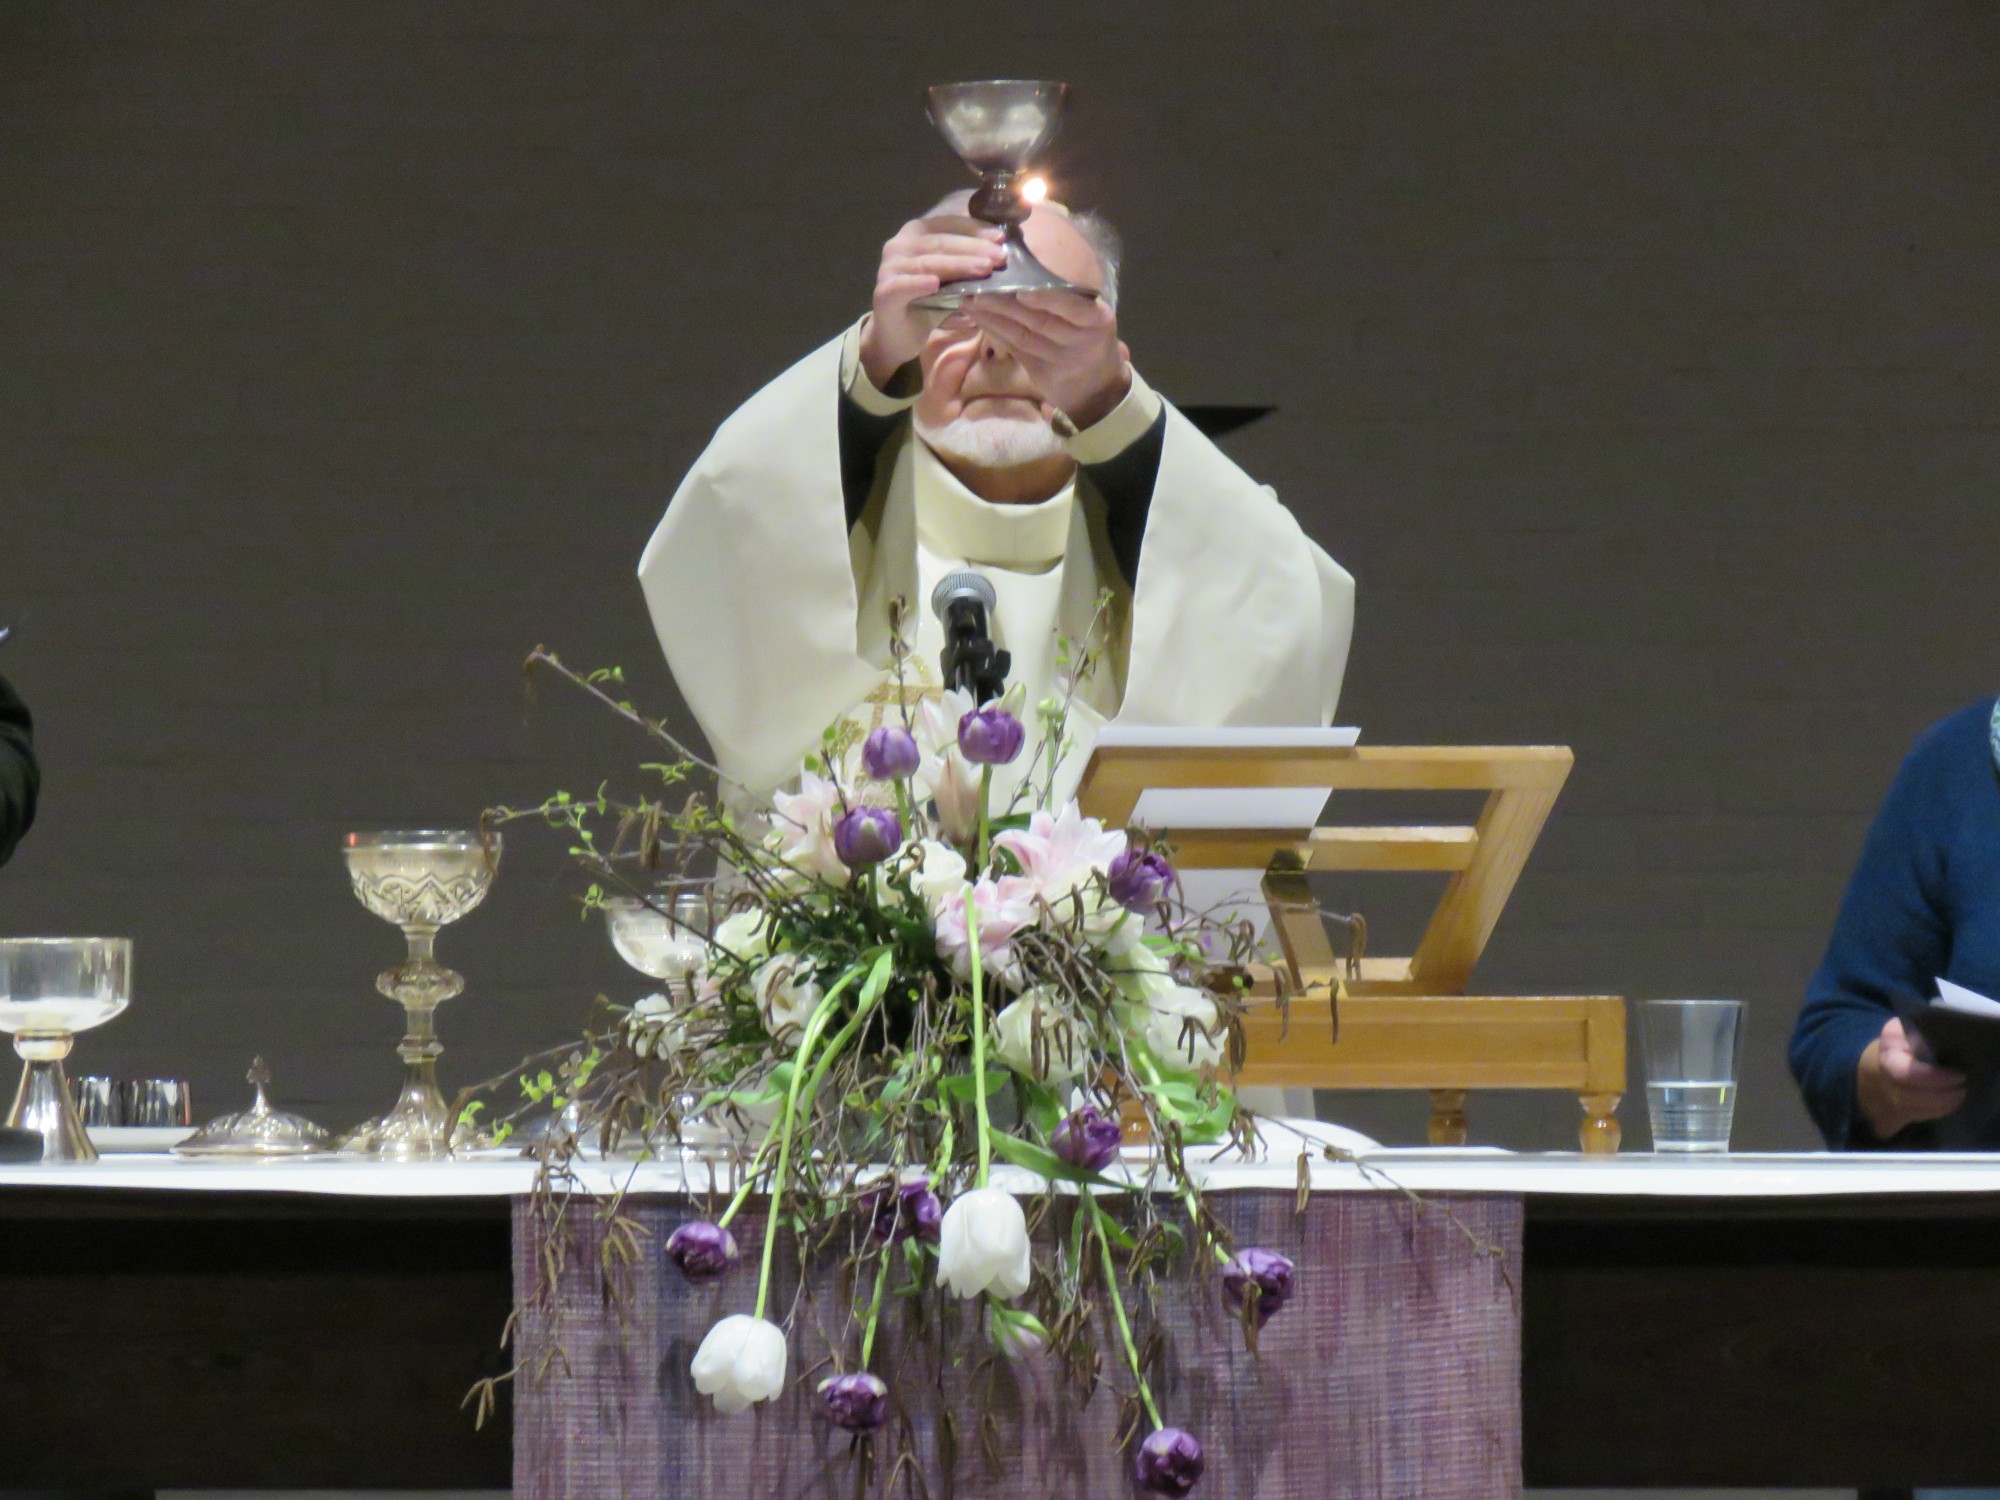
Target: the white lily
pixel 983 1245
pixel 740 1362
pixel 803 828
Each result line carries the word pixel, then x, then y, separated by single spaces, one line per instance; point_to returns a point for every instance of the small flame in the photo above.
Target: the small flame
pixel 1035 189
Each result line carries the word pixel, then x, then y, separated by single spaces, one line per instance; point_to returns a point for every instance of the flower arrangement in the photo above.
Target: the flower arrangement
pixel 910 981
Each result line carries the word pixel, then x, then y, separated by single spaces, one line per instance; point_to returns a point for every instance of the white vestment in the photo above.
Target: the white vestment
pixel 775 617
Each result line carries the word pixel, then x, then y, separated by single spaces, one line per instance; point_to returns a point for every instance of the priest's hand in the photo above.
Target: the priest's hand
pixel 924 254
pixel 1067 345
pixel 1894 1087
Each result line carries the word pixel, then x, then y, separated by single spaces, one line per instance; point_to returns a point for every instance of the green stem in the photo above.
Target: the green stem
pixel 807 1043
pixel 985 799
pixel 875 1308
pixel 978 1017
pixel 1118 1307
pixel 749 1181
pixel 871 996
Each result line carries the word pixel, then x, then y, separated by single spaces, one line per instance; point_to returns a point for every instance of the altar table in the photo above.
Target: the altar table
pixel 1753 1321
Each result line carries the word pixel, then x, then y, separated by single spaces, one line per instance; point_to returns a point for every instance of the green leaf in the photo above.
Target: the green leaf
pixel 1041 1106
pixel 959 1088
pixel 1040 1159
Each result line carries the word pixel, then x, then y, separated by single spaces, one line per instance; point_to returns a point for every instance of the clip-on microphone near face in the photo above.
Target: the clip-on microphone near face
pixel 963 602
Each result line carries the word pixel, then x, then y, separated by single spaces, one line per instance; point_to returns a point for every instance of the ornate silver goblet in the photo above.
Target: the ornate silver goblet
pixel 50 989
pixel 998 127
pixel 420 880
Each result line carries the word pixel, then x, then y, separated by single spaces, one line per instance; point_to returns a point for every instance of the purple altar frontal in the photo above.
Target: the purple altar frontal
pixel 1394 1372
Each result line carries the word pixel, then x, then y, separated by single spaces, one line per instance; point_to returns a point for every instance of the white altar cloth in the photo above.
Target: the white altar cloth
pixel 1745 1175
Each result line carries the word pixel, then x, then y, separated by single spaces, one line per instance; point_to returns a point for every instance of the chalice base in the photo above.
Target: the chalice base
pixel 417 1129
pixel 43 1104
pixel 1022 273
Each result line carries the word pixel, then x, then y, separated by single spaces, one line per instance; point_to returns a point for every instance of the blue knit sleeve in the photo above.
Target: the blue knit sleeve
pixel 1891 940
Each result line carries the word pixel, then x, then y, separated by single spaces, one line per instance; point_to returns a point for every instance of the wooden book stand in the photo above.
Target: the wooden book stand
pixel 1405 1022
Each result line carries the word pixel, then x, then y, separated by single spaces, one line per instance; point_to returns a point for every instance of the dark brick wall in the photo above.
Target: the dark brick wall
pixel 1638 358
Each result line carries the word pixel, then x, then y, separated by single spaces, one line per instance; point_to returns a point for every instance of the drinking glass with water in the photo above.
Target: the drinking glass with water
pixel 1692 1047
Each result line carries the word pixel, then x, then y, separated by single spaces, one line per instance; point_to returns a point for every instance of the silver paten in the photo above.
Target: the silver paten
pixel 259 1131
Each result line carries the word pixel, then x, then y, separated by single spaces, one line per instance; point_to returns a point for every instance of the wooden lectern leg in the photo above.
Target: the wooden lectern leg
pixel 1448 1125
pixel 1600 1132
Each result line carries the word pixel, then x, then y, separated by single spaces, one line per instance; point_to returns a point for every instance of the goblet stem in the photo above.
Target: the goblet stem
pixel 42 1103
pixel 419 1127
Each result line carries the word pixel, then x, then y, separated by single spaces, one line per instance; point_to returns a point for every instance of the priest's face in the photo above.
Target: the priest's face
pixel 978 407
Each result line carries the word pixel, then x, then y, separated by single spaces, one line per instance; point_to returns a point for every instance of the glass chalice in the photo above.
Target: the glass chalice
pixel 665 938
pixel 420 880
pixel 50 989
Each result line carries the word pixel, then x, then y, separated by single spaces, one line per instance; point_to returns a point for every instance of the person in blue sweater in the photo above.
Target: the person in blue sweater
pixel 1924 903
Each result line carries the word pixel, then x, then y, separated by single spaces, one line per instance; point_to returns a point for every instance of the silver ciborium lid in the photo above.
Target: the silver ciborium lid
pixel 259 1131
pixel 998 126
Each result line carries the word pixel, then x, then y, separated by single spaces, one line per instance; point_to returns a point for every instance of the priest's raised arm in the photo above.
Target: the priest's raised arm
pixel 1014 438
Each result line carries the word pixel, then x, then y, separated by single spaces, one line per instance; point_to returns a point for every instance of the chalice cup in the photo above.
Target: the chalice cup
pixel 665 937
pixel 998 127
pixel 50 989
pixel 420 880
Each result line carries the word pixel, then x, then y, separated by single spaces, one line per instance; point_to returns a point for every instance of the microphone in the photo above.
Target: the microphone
pixel 963 603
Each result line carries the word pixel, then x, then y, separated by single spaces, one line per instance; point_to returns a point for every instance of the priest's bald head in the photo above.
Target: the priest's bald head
pixel 999 372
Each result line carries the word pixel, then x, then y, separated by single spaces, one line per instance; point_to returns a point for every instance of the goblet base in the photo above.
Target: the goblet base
pixel 397 1136
pixel 42 1103
pixel 1022 273
pixel 417 1129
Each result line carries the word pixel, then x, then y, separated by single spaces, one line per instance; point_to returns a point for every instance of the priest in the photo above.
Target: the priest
pixel 1139 574
pixel 19 777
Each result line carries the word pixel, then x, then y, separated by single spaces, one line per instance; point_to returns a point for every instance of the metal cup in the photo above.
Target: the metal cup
pixel 97 1100
pixel 156 1101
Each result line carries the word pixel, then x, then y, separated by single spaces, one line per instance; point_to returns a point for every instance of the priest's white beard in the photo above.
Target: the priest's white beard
pixel 992 442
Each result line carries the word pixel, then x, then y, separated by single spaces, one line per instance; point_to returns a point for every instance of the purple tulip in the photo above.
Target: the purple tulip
pixel 867 836
pixel 703 1252
pixel 909 1211
pixel 1269 1272
pixel 858 1402
pixel 990 736
pixel 1139 878
pixel 1087 1138
pixel 1170 1462
pixel 890 753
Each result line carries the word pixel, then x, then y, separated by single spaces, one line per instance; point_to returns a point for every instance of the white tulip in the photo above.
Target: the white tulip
pixel 1065 1054
pixel 983 1245
pixel 744 935
pixel 1141 975
pixel 786 997
pixel 654 1029
pixel 940 868
pixel 1173 1040
pixel 740 1362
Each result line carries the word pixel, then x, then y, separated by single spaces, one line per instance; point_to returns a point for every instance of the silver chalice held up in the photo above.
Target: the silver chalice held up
pixel 998 128
pixel 420 880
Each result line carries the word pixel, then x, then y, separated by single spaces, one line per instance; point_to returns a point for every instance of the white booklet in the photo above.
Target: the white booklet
pixel 1968 1002
pixel 1229 894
